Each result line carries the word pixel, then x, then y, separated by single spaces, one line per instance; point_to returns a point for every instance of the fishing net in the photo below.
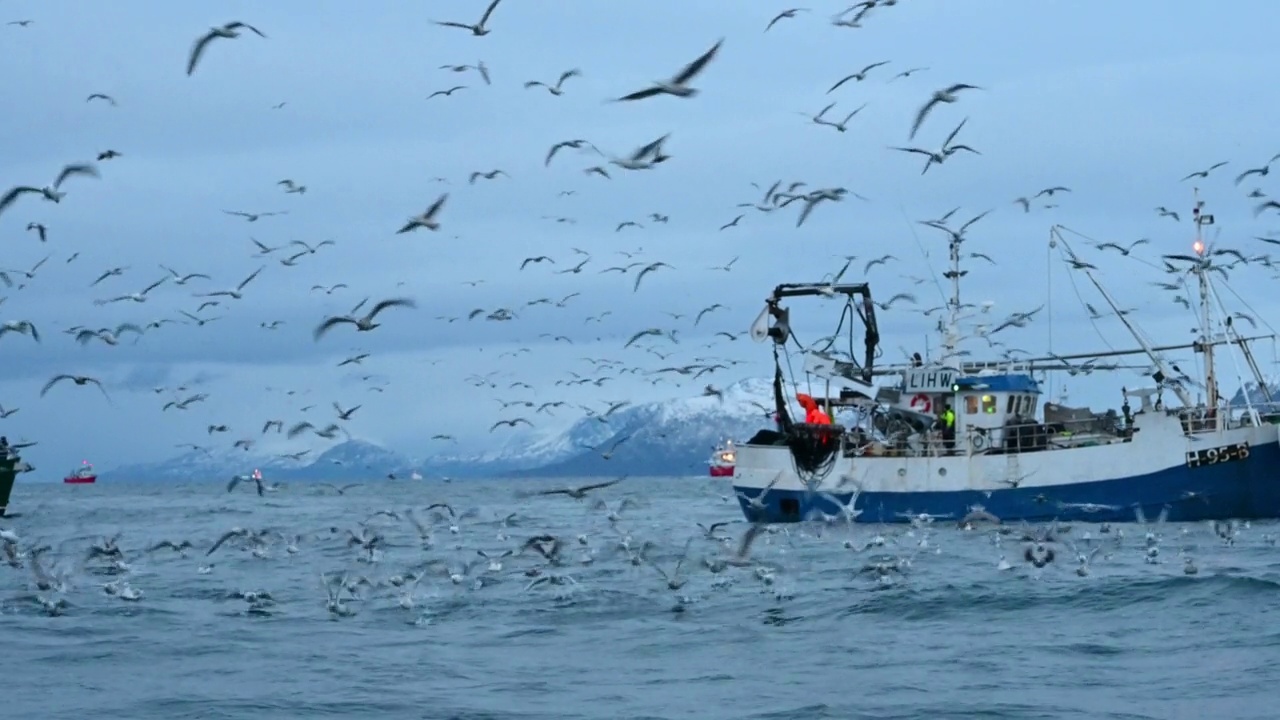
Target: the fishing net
pixel 814 449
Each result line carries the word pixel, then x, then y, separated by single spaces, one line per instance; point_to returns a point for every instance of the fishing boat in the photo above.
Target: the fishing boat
pixel 722 459
pixel 83 475
pixel 964 441
pixel 9 464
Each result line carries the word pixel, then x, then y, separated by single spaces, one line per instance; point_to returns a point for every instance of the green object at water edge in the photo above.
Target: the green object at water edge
pixel 7 476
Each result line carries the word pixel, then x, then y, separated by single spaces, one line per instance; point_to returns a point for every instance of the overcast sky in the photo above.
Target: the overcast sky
pixel 1116 101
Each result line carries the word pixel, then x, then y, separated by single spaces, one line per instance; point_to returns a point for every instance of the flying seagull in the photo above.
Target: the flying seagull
pixel 479 28
pixel 50 193
pixel 229 31
pixel 554 89
pixel 678 85
pixel 945 95
pixel 785 14
pixel 426 219
pixel 77 379
pixel 366 323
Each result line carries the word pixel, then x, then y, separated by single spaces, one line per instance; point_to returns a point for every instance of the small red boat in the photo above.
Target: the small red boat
pixel 722 459
pixel 83 475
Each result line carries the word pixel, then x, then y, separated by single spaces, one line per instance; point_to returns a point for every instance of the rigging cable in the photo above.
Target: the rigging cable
pixel 1079 296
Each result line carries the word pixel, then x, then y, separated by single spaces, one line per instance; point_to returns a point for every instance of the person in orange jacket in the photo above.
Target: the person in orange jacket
pixel 812 413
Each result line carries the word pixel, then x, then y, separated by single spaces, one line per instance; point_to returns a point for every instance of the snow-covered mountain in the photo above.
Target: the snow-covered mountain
pixel 1258 394
pixel 669 437
pixel 350 460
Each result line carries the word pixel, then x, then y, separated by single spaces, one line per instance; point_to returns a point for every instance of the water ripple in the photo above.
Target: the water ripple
pixel 818 637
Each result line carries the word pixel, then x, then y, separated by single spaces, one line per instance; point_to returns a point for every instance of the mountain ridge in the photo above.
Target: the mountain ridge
pixel 661 437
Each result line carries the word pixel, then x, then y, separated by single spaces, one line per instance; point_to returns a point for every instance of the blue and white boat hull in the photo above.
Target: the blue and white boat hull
pixel 1159 469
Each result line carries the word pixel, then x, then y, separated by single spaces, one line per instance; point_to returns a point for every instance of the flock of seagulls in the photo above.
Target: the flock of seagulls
pixel 395 551
pixel 422 558
pixel 684 350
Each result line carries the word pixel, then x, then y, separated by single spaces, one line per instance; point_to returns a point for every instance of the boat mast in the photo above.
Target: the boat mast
pixel 951 333
pixel 1205 345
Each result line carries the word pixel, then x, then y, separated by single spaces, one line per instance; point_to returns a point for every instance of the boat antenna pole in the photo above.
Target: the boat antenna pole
pixel 1165 372
pixel 1205 346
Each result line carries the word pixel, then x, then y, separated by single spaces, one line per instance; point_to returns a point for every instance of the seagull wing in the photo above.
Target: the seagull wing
pixel 597 486
pixel 197 50
pixel 488 11
pixel 920 116
pixel 642 94
pixel 249 279
pixel 76 169
pixel 435 206
pixel 54 381
pixel 246 26
pixel 695 67
pixel 13 194
pixel 395 302
pixel 331 322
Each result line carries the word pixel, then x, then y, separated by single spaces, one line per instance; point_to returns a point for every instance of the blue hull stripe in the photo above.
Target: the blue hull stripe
pixel 1245 490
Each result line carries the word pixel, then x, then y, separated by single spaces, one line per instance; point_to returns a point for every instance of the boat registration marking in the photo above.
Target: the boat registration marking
pixel 1218 455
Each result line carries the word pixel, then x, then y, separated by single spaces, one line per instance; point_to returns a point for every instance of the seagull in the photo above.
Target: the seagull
pixel 77 379
pixel 678 85
pixel 447 93
pixel 22 327
pixel 555 89
pixel 366 323
pixel 575 144
pixel 479 28
pixel 136 297
pixel 859 76
pixel 239 289
pixel 50 193
pixel 646 270
pixel 578 493
pixel 947 150
pixel 99 96
pixel 479 67
pixel 229 31
pixel 510 423
pixel 945 95
pixel 1204 173
pixel 253 217
pixel 785 14
pixel 426 219
pixel 644 158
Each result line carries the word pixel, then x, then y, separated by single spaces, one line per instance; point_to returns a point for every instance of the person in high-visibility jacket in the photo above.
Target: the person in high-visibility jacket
pixel 812 413
pixel 948 418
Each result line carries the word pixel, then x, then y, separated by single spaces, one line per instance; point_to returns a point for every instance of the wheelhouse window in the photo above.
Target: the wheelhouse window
pixel 988 404
pixel 971 404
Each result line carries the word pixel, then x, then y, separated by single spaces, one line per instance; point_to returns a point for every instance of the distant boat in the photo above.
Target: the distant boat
pixel 722 459
pixel 83 475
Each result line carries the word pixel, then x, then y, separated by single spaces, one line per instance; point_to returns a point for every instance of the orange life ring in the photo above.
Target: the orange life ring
pixel 922 403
